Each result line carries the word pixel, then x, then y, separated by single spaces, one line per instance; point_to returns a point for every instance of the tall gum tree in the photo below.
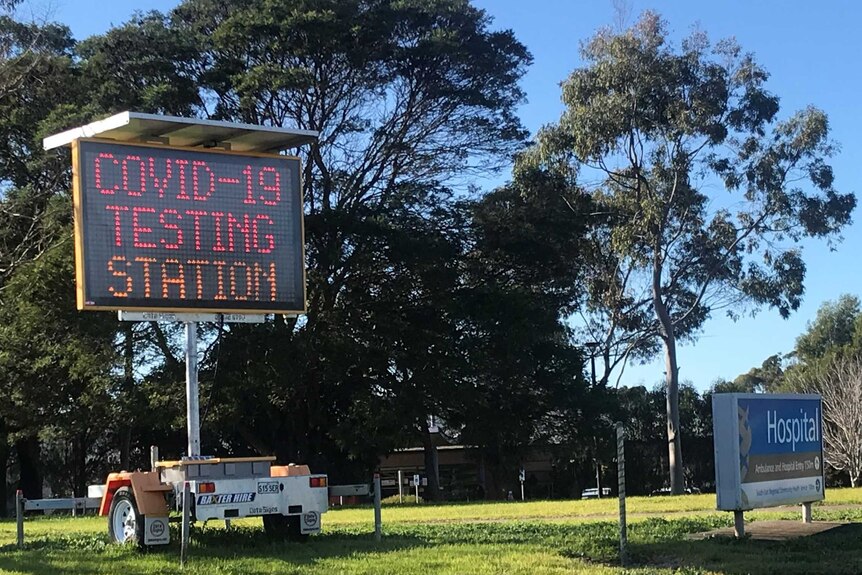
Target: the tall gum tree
pixel 663 129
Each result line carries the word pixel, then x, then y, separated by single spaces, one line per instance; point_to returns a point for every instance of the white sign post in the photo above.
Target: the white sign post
pixel 768 452
pixel 522 475
pixel 416 485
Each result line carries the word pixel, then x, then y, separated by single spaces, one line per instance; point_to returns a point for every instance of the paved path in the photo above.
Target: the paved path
pixel 773 530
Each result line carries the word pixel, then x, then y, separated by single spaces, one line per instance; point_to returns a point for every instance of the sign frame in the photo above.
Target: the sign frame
pixel 728 437
pixel 78 213
pixel 169 317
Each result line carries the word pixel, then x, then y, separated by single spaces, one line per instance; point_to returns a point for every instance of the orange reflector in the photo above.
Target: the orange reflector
pixel 206 487
pixel 317 481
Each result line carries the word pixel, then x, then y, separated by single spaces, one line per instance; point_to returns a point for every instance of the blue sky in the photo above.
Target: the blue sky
pixel 812 51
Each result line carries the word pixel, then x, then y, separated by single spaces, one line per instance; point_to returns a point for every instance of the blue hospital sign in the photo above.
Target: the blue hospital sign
pixel 768 449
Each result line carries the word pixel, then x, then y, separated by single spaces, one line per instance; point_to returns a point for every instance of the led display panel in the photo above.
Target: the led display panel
pixel 161 228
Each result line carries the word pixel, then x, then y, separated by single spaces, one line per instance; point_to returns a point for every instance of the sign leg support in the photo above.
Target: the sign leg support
pixel 184 537
pixel 738 524
pixel 378 522
pixel 19 516
pixel 806 512
pixel 192 403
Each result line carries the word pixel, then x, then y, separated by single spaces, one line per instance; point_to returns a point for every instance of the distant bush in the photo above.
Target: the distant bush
pixel 408 500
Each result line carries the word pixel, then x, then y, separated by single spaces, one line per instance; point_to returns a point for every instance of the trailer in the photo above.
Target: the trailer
pixel 289 498
pixel 241 174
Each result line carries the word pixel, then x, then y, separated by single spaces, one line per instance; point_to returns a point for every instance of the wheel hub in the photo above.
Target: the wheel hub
pixel 124 521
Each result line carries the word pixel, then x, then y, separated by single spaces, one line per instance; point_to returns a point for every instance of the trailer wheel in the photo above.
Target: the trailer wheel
pixel 283 527
pixel 125 523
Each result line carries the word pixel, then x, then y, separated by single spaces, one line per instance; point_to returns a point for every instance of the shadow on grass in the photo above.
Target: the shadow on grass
pixel 248 550
pixel 93 553
pixel 835 551
pixel 655 544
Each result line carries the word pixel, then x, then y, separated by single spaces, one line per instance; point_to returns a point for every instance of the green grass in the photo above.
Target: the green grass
pixel 521 538
pixel 572 510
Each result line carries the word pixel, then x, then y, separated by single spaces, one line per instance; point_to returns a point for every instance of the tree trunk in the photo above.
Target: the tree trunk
pixel 30 476
pixel 674 440
pixel 674 444
pixel 432 466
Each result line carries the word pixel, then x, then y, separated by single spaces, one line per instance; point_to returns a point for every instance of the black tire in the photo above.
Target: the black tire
pixel 125 522
pixel 284 527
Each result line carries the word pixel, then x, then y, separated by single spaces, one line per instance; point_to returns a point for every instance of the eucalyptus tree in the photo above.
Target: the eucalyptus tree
pixel 662 130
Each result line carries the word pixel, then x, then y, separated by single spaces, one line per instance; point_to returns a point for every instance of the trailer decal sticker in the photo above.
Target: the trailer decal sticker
pixel 225 498
pixel 263 510
pixel 311 518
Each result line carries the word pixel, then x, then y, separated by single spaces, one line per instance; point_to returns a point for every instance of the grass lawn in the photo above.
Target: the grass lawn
pixel 544 537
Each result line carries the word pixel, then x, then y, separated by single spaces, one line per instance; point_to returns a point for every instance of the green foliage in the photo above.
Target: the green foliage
pixel 403 321
pixel 408 499
pixel 143 65
pixel 55 368
pixel 408 97
pixel 832 331
pixel 832 337
pixel 769 377
pixel 644 414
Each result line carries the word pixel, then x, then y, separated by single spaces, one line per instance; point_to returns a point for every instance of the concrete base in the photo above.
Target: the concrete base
pixel 773 530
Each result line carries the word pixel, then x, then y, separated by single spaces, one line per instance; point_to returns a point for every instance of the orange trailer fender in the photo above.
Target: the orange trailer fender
pixel 148 490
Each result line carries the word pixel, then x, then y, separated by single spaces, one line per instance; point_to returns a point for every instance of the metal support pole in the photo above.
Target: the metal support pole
pixel 621 488
pixel 522 491
pixel 154 457
pixel 806 512
pixel 184 532
pixel 596 461
pixel 417 491
pixel 598 481
pixel 738 525
pixel 192 404
pixel 19 516
pixel 400 487
pixel 378 521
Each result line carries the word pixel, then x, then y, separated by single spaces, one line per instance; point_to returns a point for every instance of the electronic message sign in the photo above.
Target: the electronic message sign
pixel 160 228
pixel 768 449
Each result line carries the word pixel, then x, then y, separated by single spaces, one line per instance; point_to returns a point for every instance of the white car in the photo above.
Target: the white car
pixel 593 493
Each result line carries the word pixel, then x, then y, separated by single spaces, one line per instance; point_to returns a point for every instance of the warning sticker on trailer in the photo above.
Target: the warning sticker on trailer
pixel 310 522
pixel 225 498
